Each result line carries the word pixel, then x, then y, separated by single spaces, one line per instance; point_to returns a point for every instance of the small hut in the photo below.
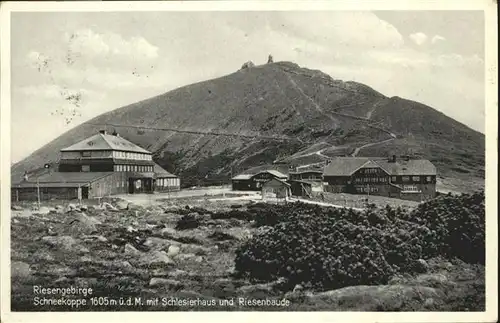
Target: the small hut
pixel 276 188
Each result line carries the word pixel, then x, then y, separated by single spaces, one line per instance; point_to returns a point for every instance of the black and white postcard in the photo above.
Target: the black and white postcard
pixel 249 160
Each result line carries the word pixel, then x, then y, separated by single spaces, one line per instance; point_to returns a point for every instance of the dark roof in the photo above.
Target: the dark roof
pixel 346 166
pixel 62 179
pixel 306 171
pixel 102 141
pixel 242 176
pixel 408 167
pixel 160 172
pixel 273 172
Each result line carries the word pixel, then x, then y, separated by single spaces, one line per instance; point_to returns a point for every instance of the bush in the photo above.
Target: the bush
pixel 328 248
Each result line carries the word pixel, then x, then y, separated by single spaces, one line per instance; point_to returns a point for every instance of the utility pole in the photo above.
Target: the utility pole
pixel 38 191
pixel 368 196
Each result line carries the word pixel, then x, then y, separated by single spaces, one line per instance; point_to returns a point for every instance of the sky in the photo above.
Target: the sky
pixel 67 68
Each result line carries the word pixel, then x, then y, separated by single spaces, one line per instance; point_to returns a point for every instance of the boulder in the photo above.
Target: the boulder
pixel 70 207
pixel 130 250
pixel 20 269
pixel 169 233
pixel 159 243
pixel 173 250
pixel 60 209
pixel 42 255
pixel 16 208
pixel 134 207
pixel 256 290
pixel 109 207
pixel 185 256
pixel 373 298
pixel 65 243
pixel 298 288
pixel 178 273
pixel 421 266
pixel 95 238
pixel 196 249
pixel 83 223
pixel 121 204
pixel 170 284
pixel 432 279
pixel 155 259
pixel 42 211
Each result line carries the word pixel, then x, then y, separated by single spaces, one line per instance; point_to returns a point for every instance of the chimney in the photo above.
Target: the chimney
pixel 393 159
pixel 25 176
pixel 116 134
pixel 103 132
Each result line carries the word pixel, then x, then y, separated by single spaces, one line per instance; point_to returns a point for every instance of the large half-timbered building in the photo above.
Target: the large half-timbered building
pixel 405 178
pixel 103 164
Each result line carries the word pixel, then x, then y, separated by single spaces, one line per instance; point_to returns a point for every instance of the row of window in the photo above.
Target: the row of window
pixel 133 168
pixel 410 188
pixel 167 182
pixel 393 179
pixel 371 180
pixel 370 170
pixel 367 189
pixel 129 155
pixel 413 178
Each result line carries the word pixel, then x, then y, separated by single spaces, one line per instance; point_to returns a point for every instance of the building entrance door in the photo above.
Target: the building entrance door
pixel 148 185
pixel 131 186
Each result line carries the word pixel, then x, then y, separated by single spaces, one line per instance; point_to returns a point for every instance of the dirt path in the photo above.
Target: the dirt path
pixel 356 151
pixel 320 203
pixel 329 115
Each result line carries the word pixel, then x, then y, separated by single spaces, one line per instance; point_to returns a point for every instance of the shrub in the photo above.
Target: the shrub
pixel 332 248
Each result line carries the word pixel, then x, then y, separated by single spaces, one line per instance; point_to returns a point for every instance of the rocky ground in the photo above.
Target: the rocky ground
pixel 125 251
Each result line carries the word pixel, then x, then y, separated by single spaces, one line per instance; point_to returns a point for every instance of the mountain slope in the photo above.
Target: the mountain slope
pixel 299 106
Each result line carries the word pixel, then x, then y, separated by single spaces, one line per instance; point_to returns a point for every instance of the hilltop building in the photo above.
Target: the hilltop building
pixel 404 178
pixel 98 166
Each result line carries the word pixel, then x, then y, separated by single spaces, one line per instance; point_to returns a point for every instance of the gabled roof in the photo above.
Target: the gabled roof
pixel 160 172
pixel 409 167
pixel 106 142
pixel 242 177
pixel 346 166
pixel 276 180
pixel 306 171
pixel 63 179
pixel 274 173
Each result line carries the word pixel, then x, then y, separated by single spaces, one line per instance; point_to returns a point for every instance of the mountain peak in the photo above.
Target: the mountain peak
pixel 278 111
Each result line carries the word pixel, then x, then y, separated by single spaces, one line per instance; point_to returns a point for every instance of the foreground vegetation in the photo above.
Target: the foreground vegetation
pixel 334 248
pixel 318 258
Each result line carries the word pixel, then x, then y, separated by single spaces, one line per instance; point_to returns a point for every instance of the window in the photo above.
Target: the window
pixel 416 178
pixel 393 179
pixel 86 154
pixel 429 179
pixel 85 168
pixel 406 178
